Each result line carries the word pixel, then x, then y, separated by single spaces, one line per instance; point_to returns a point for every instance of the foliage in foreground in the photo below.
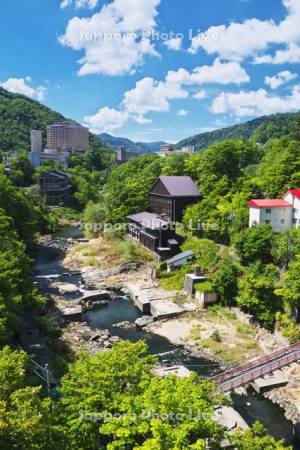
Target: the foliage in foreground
pixel 112 401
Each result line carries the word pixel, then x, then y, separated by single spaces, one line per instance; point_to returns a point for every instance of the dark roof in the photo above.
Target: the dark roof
pixel 180 256
pixel 179 186
pixel 60 173
pixel 55 173
pixel 148 220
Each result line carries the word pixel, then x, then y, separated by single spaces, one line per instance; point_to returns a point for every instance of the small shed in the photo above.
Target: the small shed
pixel 179 260
pixel 191 279
pixel 205 298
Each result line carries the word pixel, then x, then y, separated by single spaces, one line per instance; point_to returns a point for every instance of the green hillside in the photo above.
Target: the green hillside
pixel 19 115
pixel 260 130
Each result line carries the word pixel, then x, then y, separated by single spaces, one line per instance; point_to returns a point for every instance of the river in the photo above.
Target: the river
pixel 251 407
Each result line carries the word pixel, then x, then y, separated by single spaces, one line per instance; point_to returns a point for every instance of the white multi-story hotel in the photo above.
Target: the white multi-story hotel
pixel 281 214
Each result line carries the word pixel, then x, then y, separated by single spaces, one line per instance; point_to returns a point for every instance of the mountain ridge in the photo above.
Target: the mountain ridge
pixel 260 130
pixel 140 147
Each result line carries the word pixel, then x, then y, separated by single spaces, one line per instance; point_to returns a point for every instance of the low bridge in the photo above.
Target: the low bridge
pixel 246 373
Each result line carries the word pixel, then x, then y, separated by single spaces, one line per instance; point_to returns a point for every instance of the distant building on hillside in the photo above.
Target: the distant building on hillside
pixel 281 214
pixel 48 155
pixel 169 196
pixel 38 155
pixel 189 149
pixel 165 150
pixel 124 155
pixel 169 149
pixel 7 161
pixel 55 186
pixel 67 136
pixel 36 139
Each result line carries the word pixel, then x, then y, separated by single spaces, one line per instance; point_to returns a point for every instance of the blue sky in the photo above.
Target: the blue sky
pixel 153 69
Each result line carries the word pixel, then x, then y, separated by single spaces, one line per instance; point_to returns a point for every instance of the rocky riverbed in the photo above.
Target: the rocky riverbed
pixel 288 397
pixel 80 336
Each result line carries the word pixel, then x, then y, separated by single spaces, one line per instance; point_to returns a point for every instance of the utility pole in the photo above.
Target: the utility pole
pixel 48 378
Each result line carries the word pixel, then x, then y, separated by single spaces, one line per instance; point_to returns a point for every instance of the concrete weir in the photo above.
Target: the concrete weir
pixel 152 300
pixel 162 309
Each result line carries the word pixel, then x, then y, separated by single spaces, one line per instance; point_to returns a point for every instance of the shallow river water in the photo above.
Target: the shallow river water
pixel 251 407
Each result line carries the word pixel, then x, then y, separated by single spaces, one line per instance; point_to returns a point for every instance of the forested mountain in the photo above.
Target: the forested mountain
pixel 260 130
pixel 141 147
pixel 20 114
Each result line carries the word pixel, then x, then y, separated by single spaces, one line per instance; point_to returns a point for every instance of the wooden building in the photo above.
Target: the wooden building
pixel 169 196
pixel 55 186
pixel 156 234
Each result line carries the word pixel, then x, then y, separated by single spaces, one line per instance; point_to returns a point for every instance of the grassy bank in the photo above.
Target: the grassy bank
pixel 220 331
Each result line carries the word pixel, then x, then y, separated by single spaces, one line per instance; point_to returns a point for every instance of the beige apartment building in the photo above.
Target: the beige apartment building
pixel 68 137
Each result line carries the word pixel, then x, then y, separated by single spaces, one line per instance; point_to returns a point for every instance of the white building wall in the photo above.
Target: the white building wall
pixel 36 138
pixel 254 217
pixel 296 213
pixel 279 218
pixel 289 197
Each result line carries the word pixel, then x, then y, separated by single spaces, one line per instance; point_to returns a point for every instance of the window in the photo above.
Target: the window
pixel 282 221
pixel 295 221
pixel 268 211
pixel 267 221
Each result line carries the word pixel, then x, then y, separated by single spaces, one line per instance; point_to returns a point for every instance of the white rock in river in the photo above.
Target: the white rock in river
pixel 66 288
pixel 142 322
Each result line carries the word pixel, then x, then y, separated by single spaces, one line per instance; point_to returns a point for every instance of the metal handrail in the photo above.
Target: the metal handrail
pixel 246 373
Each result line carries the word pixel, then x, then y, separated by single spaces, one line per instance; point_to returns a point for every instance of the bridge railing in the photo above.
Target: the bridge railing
pixel 245 367
pixel 258 371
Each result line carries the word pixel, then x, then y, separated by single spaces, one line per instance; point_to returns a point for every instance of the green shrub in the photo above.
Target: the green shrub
pixel 216 336
pixel 288 327
pixel 244 328
pixel 206 252
pixel 206 286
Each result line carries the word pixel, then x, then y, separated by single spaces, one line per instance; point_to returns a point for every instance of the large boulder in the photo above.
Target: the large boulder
pixel 143 321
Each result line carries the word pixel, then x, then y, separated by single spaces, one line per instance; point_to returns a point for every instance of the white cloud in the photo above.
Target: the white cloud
pixel 200 95
pixel 182 112
pixel 174 43
pixel 110 39
pixel 281 78
pixel 220 73
pixel 152 96
pixel 106 120
pixel 21 86
pixel 241 40
pixel 291 55
pixel 256 103
pixel 65 3
pixel 90 4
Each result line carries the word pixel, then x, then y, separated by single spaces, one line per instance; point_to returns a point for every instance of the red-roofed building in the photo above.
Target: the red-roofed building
pixel 293 197
pixel 282 214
